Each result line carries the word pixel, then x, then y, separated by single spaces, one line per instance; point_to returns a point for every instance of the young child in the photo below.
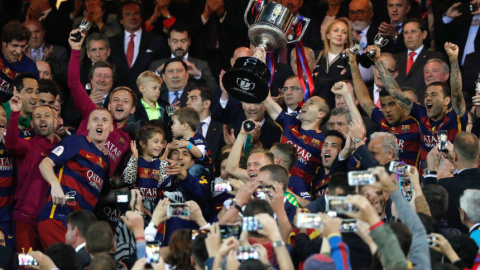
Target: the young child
pixel 185 124
pixel 149 84
pixel 144 169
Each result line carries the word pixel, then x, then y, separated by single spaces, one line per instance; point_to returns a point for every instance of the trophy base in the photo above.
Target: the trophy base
pixel 248 80
pixel 268 35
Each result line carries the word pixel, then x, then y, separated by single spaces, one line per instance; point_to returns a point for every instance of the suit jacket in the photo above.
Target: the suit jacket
pixel 151 47
pixel 58 26
pixel 457 32
pixel 215 140
pixel 83 258
pixel 206 79
pixel 415 76
pixel 163 99
pixel 467 179
pixel 232 114
pixel 470 71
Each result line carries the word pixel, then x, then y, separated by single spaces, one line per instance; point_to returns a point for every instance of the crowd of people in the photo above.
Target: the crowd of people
pixel 120 147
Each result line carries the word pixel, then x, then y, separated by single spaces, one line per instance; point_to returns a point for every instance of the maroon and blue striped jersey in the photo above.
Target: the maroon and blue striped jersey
pixel 148 174
pixel 6 184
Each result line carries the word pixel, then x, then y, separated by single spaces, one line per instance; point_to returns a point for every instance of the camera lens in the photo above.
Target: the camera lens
pixel 249 125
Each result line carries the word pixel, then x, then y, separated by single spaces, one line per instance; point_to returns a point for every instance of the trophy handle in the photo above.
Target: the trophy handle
pixel 307 22
pixel 249 6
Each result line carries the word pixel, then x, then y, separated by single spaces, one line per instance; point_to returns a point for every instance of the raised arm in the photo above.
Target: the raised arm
pixel 341 88
pixel 390 84
pixel 361 90
pixel 272 107
pixel 18 146
pixel 458 102
pixel 232 166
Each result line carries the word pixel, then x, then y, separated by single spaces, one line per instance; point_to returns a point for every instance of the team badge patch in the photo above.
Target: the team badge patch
pixel 121 141
pixel 58 151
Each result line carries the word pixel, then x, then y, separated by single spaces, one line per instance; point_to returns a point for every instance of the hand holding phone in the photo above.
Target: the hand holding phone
pixel 340 205
pixel 25 259
pixel 178 210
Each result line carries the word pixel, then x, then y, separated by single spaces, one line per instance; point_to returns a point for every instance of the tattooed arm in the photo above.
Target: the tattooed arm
pixel 392 87
pixel 458 102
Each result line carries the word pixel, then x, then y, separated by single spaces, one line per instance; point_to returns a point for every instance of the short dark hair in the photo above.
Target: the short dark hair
pixel 446 91
pixel 97 37
pixel 340 180
pixel 48 86
pixel 257 206
pixel 465 247
pixel 18 80
pixel 199 250
pixel 277 173
pixel 172 60
pixel 102 261
pixel 224 156
pixel 99 238
pixel 403 234
pixel 466 146
pixel 252 264
pixel 180 27
pixel 15 31
pixel 205 93
pixel 429 223
pixel 63 255
pixel 189 116
pixel 437 200
pixel 81 219
pixel 128 2
pixel 420 23
pixel 101 64
pixel 289 151
pixel 337 134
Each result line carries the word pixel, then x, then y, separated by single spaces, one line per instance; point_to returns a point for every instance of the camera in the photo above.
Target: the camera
pixel 220 185
pixel 348 226
pixel 263 191
pixel 249 125
pixel 340 205
pixel 178 210
pixel 430 240
pixel 25 259
pixel 152 250
pixel 360 178
pixel 309 221
pixel 251 224
pixel 442 136
pixel 399 167
pixel 247 252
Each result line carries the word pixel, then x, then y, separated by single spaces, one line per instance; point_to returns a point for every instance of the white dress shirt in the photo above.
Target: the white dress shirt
pixel 205 126
pixel 136 41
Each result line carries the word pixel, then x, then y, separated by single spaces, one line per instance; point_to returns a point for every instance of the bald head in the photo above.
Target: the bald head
pixel 240 52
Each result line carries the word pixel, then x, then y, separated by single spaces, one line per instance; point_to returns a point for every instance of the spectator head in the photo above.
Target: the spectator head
pixel 2 234
pixel 436 70
pixel 100 238
pixel 340 101
pixel 258 158
pixel 292 92
pixel 257 206
pixel 314 110
pixel 445 168
pixel 410 93
pixel 102 261
pixel 309 56
pixel 130 15
pixel 100 124
pixel 37 39
pixel 384 147
pixel 292 5
pixel 339 33
pixel 378 199
pixel 360 14
pixel 437 100
pixel 285 154
pixel 149 83
pixel 240 52
pixel 98 47
pixel 150 137
pixel 393 112
pixel 397 10
pixel 429 223
pixel 63 255
pixel 44 70
pixel 414 32
pixel 273 173
pixel 332 145
pixel 27 86
pixel 390 63
pixel 403 235
pixel 252 264
pixel 179 39
pixel 122 103
pixel 222 160
pixel 183 157
pixel 339 120
pixel 78 223
pixel 466 149
pixel 175 74
pixel 44 120
pixel 465 247
pixel 254 111
pixel 338 185
pixel 437 199
pixel 199 251
pixel 179 254
pixel 91 4
pixel 48 91
pixel 319 261
pixel 185 121
pixel 15 37
pixel 200 99
pixel 470 207
pixel 102 76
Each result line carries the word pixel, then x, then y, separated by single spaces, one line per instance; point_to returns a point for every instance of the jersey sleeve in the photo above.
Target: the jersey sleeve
pixel 418 111
pixel 285 120
pixel 377 115
pixel 65 150
pixel 199 142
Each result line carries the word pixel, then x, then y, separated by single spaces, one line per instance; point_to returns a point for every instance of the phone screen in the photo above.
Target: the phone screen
pixel 152 250
pixel 26 260
pixel 230 230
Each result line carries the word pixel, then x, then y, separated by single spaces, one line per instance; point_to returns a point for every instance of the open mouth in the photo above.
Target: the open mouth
pixel 252 176
pixel 429 106
pixel 99 131
pixel 119 110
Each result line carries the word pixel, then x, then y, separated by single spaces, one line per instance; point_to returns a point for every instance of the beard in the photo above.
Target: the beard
pixel 359 25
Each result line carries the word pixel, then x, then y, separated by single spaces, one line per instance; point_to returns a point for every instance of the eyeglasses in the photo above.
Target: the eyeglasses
pixel 293 88
pixel 357 12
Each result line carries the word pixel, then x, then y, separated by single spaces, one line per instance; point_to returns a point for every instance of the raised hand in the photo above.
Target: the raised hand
pixel 451 50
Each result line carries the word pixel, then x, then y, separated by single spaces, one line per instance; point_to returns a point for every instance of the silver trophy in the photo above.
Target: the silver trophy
pixel 84 27
pixel 272 30
pixel 355 49
pixel 380 42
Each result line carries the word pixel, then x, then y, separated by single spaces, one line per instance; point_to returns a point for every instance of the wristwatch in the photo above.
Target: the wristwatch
pixel 278 243
pixel 427 171
pixel 356 140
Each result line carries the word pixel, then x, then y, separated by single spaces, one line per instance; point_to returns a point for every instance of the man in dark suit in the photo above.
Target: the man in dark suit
pixel 77 227
pixel 174 90
pixel 411 62
pixel 98 49
pixel 179 42
pixel 134 49
pixel 200 99
pixel 397 12
pixel 464 156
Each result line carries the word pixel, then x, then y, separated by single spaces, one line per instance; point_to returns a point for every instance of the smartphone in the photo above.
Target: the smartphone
pixel 195 233
pixel 220 185
pixel 309 221
pixel 339 205
pixel 348 226
pixel 25 259
pixel 405 187
pixel 152 250
pixel 251 224
pixel 360 178
pixel 442 137
pixel 247 252
pixel 227 231
pixel 399 167
pixel 467 8
pixel 123 196
pixel 430 240
pixel 178 210
pixel 263 191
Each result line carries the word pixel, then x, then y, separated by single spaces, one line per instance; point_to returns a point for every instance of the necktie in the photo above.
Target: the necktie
pixel 398 27
pixel 176 98
pixel 359 32
pixel 199 129
pixel 130 49
pixel 378 100
pixel 410 61
pixel 37 56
